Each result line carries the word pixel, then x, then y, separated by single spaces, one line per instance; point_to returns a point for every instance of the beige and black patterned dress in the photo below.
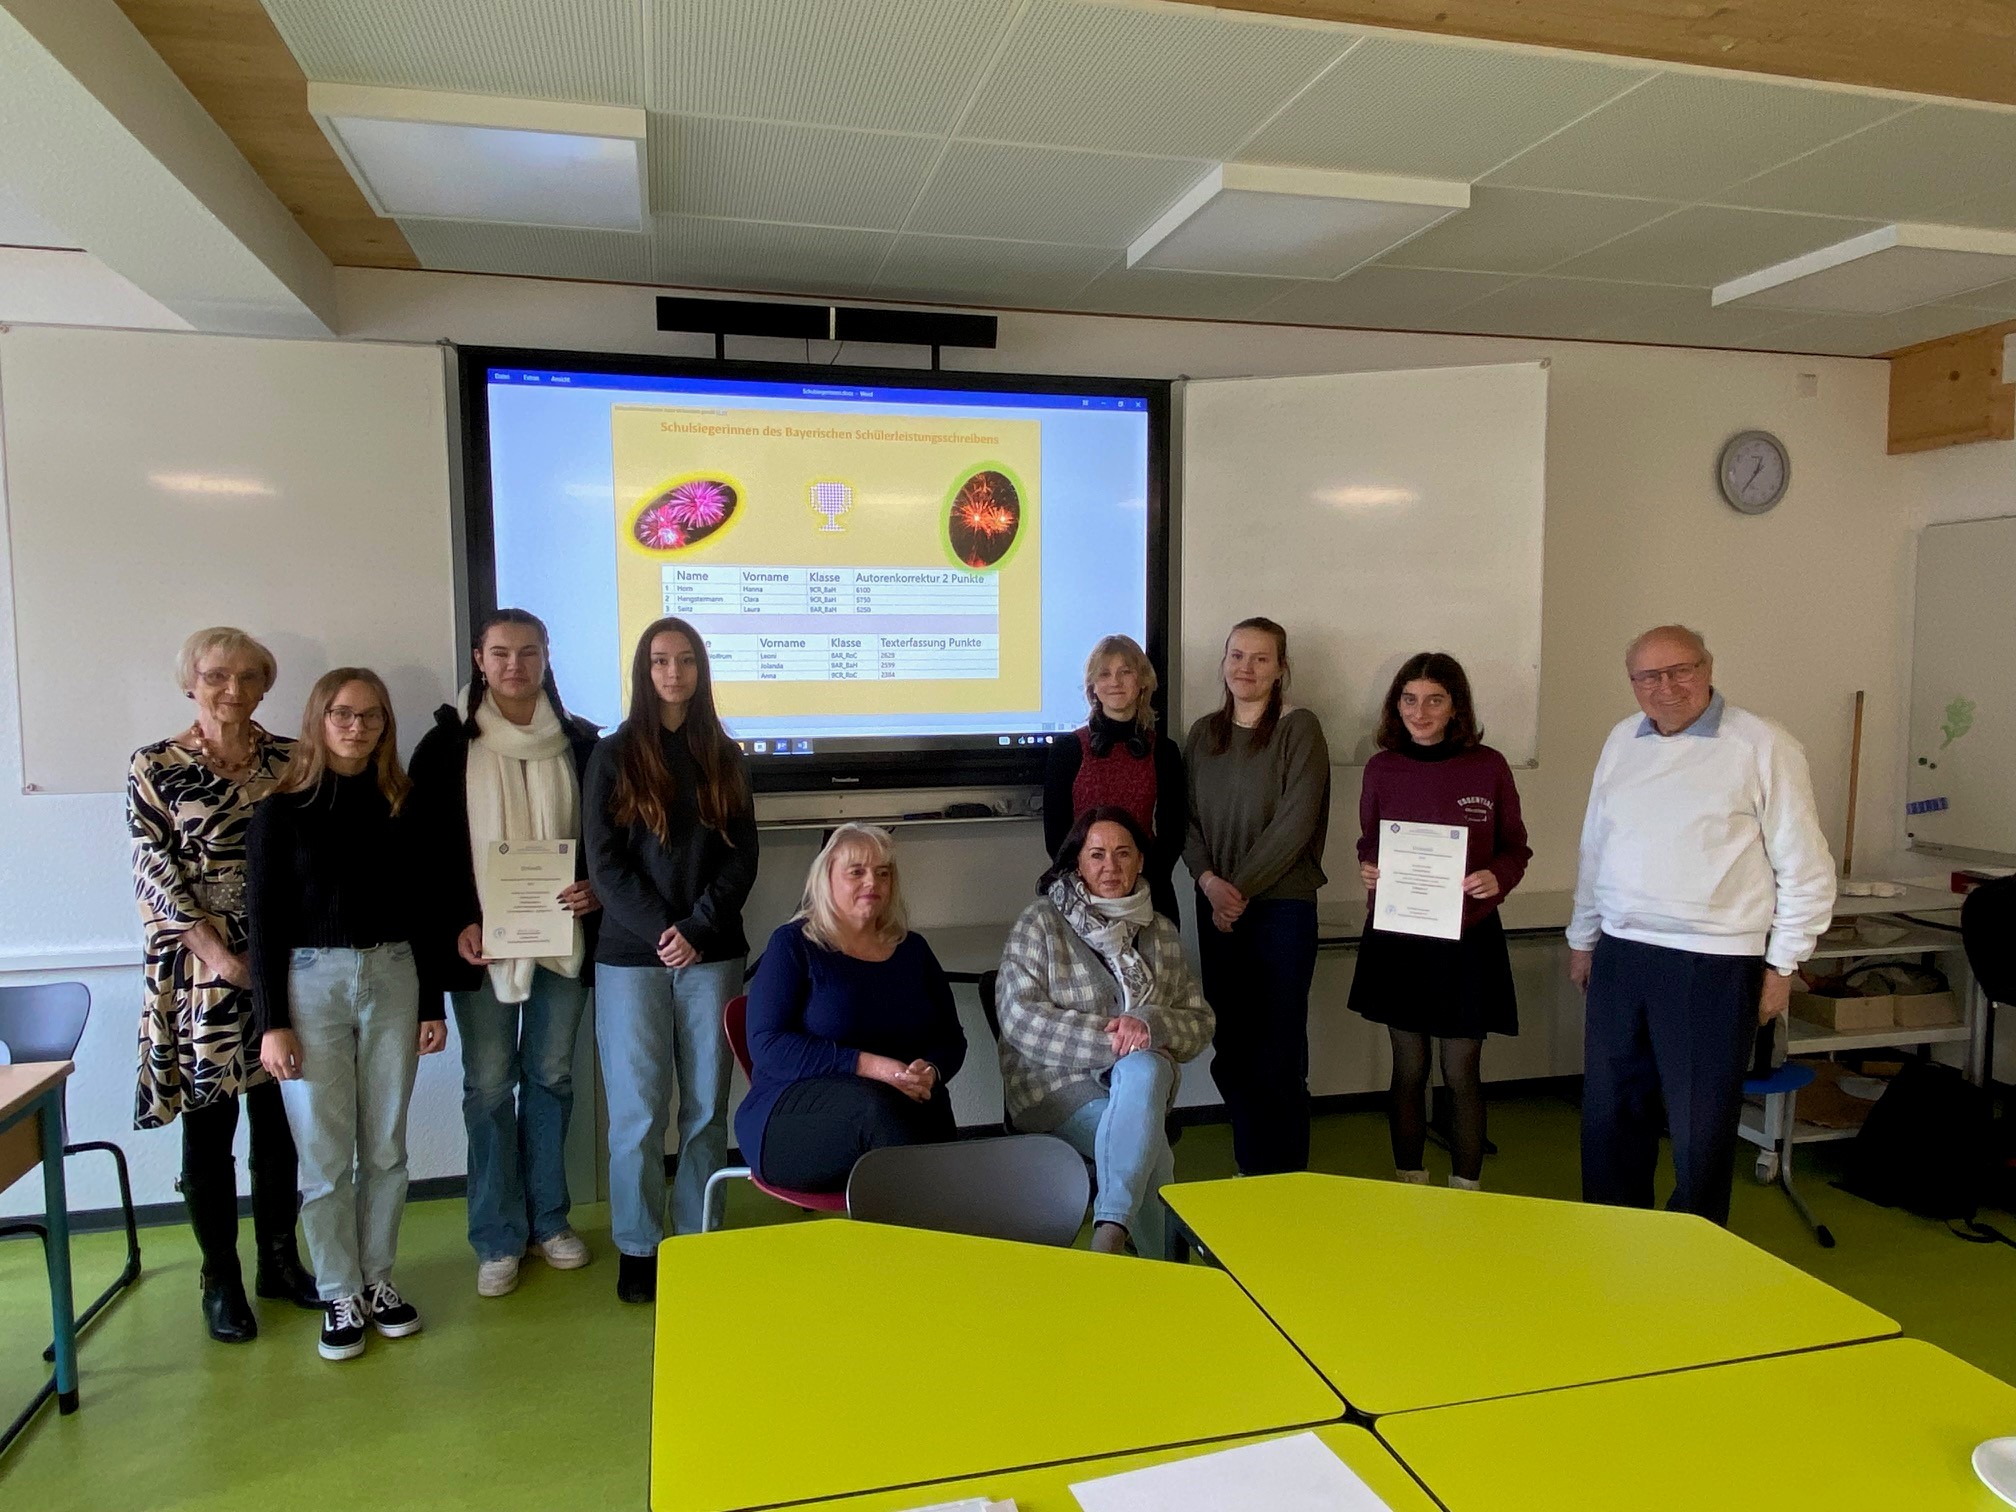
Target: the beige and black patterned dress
pixel 188 826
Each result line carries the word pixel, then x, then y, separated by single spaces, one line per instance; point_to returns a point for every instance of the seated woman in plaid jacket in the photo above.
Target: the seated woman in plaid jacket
pixel 1098 1009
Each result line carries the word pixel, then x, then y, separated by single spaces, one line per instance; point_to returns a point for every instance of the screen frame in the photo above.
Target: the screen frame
pixel 1010 766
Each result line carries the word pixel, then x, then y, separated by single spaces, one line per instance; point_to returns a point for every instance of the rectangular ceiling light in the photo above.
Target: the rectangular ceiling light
pixel 1880 272
pixel 1265 220
pixel 429 155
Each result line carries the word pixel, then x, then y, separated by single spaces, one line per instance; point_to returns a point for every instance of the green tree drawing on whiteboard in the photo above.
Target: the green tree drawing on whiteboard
pixel 1959 720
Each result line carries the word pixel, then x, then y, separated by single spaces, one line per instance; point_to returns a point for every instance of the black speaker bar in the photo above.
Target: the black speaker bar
pixel 722 318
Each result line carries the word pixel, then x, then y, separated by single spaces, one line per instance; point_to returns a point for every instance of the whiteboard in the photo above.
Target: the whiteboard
pixel 1963 691
pixel 159 482
pixel 1374 515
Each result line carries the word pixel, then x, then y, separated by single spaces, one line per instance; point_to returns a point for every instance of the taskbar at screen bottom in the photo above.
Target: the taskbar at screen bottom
pixel 785 748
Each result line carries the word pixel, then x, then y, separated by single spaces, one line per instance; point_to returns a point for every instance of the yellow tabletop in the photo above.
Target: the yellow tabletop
pixel 1049 1489
pixel 821 1359
pixel 1408 1297
pixel 1885 1427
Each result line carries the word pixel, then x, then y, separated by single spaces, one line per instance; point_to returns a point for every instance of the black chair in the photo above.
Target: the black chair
pixel 1027 1187
pixel 44 1022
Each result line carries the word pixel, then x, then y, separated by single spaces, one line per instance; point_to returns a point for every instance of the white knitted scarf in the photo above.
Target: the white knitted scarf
pixel 522 786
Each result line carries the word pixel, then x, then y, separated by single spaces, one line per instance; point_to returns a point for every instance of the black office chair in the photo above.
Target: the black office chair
pixel 1027 1187
pixel 44 1022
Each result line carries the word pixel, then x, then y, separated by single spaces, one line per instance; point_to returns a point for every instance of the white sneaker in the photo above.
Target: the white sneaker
pixel 494 1278
pixel 564 1251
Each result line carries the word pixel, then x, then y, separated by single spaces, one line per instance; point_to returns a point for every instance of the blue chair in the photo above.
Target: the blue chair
pixel 1780 1091
pixel 44 1022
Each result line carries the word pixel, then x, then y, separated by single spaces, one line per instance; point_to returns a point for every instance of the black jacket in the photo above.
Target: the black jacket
pixel 438 810
pixel 699 882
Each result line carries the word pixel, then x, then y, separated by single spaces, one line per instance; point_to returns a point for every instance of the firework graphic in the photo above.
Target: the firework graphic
pixel 832 500
pixel 984 517
pixel 685 514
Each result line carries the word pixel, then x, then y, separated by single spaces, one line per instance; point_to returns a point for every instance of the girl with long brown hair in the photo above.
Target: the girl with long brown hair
pixel 670 830
pixel 336 994
pixel 1259 774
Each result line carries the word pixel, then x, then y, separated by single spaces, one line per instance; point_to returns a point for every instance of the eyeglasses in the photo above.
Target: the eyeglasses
pixel 1683 672
pixel 351 719
pixel 226 679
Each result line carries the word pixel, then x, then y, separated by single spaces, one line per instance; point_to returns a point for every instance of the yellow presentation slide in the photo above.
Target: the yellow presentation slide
pixel 836 563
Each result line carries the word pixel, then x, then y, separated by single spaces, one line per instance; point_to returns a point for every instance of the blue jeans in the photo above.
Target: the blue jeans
pixel 518 1154
pixel 357 1015
pixel 659 1028
pixel 1124 1136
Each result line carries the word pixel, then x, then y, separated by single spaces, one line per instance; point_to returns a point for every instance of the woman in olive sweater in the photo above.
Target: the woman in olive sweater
pixel 1259 814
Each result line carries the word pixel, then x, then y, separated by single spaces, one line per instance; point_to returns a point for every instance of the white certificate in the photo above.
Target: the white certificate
pixel 520 892
pixel 1421 871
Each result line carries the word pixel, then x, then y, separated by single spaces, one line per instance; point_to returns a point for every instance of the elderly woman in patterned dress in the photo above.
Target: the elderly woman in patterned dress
pixel 189 805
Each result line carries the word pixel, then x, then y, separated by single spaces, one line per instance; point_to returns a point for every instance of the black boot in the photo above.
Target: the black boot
pixel 212 1199
pixel 281 1277
pixel 637 1278
pixel 226 1311
pixel 276 1200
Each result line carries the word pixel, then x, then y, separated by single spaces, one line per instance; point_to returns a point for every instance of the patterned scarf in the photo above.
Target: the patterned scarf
pixel 1112 927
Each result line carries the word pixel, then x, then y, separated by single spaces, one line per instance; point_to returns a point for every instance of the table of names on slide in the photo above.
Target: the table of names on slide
pixel 840 624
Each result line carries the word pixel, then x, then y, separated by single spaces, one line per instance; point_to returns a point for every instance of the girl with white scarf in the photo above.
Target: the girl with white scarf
pixel 506 764
pixel 1098 1009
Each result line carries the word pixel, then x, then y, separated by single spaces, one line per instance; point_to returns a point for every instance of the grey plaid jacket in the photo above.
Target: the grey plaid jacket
pixel 1054 996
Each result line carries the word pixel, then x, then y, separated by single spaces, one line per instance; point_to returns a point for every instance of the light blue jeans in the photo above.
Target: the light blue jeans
pixel 658 1029
pixel 518 1150
pixel 1124 1137
pixel 357 1015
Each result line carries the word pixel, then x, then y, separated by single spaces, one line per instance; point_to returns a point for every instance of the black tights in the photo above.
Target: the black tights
pixel 210 1177
pixel 1462 1061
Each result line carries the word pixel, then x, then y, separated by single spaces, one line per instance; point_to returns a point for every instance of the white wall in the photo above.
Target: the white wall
pixel 1802 608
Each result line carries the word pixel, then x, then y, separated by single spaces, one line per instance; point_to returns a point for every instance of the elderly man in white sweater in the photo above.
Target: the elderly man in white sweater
pixel 1704 882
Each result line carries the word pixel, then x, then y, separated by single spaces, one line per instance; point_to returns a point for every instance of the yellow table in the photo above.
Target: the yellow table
pixel 1880 1427
pixel 1049 1489
pixel 822 1359
pixel 1408 1297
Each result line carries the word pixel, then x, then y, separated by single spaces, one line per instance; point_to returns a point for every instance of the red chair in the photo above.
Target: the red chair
pixel 735 1024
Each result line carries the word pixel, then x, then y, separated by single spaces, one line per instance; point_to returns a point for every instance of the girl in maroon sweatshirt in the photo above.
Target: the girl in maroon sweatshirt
pixel 1433 768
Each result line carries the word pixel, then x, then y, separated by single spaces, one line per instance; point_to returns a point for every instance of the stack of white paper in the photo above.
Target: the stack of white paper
pixel 971 1504
pixel 1297 1474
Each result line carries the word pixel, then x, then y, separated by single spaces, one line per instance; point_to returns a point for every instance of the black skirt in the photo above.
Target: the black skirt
pixel 1452 989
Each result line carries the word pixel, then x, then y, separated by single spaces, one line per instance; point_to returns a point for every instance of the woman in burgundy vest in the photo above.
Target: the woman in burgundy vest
pixel 1118 757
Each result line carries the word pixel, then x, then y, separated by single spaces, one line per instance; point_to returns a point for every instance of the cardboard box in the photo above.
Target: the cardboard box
pixel 1928 1010
pixel 1845 1015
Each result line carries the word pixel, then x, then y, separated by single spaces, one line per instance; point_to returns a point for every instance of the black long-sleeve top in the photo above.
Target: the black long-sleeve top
pixel 328 867
pixel 1171 799
pixel 699 882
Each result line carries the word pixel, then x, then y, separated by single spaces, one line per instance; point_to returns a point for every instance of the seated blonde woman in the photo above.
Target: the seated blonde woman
pixel 1098 1008
pixel 852 1029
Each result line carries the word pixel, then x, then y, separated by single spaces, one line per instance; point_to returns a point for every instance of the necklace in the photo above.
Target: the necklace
pixel 217 761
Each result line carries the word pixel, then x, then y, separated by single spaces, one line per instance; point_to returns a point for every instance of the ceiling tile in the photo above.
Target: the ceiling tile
pixel 543 251
pixel 1012 273
pixel 903 65
pixel 1050 194
pixel 1996 208
pixel 22 225
pixel 1706 244
pixel 1435 109
pixel 1870 335
pixel 1157 291
pixel 1384 298
pixel 1178 80
pixel 1685 317
pixel 1523 230
pixel 1560 307
pixel 591 50
pixel 1996 299
pixel 753 170
pixel 1904 169
pixel 1684 136
pixel 732 254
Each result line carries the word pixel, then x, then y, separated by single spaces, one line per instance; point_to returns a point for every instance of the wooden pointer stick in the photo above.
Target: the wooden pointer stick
pixel 1854 781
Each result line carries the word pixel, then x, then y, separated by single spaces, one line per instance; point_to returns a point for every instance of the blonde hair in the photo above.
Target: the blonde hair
pixel 1126 647
pixel 225 638
pixel 817 912
pixel 311 751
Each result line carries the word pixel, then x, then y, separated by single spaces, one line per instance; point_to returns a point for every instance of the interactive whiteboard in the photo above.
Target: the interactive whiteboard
pixel 1374 515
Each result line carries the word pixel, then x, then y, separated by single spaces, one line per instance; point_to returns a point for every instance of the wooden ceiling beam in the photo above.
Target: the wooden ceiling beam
pixel 1953 49
pixel 1952 391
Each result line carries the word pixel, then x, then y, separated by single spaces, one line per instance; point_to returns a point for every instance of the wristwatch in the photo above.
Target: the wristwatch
pixel 1785 971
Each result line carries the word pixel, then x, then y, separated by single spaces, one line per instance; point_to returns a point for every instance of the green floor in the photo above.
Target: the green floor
pixel 541 1399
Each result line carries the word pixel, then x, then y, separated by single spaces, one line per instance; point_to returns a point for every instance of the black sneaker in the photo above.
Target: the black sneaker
pixel 637 1278
pixel 342 1329
pixel 391 1314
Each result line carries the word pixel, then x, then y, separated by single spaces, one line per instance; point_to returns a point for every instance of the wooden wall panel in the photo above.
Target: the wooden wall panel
pixel 1952 391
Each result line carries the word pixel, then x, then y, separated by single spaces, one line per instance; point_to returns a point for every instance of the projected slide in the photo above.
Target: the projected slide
pixel 891 563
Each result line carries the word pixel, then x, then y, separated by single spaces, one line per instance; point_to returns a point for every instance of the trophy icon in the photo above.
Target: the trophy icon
pixel 830 501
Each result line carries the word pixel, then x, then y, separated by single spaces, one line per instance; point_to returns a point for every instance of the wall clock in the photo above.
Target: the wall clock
pixel 1753 471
